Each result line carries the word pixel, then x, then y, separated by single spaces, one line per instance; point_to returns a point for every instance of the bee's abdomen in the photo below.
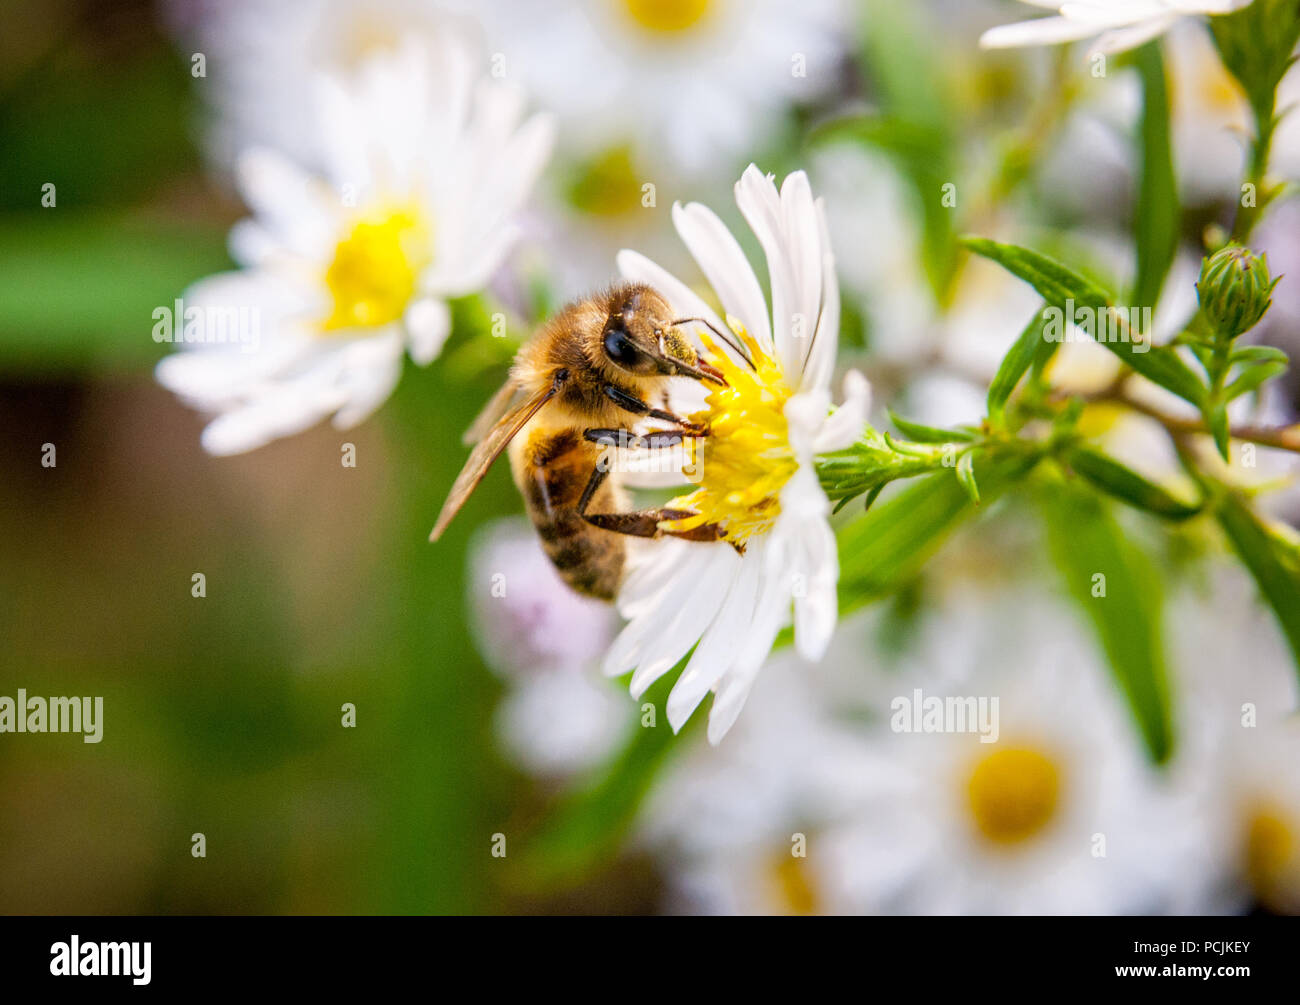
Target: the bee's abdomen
pixel 552 470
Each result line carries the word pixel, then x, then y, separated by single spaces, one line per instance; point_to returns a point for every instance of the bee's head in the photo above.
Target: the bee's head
pixel 640 338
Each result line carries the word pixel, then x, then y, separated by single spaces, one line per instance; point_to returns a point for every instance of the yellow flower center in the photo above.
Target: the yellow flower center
pixel 368 35
pixel 1013 794
pixel 376 267
pixel 746 459
pixel 608 185
pixel 1273 855
pixel 791 886
pixel 667 17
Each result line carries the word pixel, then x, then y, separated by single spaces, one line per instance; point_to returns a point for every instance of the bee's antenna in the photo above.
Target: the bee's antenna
pixel 730 340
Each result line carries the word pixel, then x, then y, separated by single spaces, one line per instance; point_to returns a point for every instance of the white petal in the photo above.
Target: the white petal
pixel 1042 31
pixel 649 576
pixel 428 323
pixel 645 589
pixel 820 355
pixel 769 619
pixel 803 246
pixel 806 413
pixel 760 204
pixel 1123 39
pixel 714 654
pixel 724 264
pixel 844 426
pixel 816 610
pixel 268 418
pixel 693 604
pixel 292 206
pixel 368 373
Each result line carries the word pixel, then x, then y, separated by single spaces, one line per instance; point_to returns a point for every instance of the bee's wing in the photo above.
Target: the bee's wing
pixel 488 450
pixel 496 408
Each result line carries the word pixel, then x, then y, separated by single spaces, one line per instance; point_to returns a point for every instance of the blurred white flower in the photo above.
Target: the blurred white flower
pixel 558 715
pixel 1121 24
pixel 262 61
pixel 686 82
pixel 426 163
pixel 1061 814
pixel 816 806
pixel 758 481
pixel 1242 734
pixel 1264 794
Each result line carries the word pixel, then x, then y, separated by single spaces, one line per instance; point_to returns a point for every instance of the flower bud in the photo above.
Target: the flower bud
pixel 1234 289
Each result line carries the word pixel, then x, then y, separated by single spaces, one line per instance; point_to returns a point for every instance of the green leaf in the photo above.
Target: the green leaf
pixel 1127 485
pixel 1258 354
pixel 1272 558
pixel 1124 607
pixel 966 475
pixel 1217 419
pixel 1252 378
pixel 1062 288
pixel 1016 363
pixel 928 434
pixel 1157 217
pixel 1256 45
pixel 885 549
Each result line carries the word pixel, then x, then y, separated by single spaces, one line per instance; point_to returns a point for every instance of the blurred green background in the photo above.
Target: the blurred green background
pixel 222 714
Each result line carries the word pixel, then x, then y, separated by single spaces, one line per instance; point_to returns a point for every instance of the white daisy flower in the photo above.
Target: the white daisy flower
pixel 427 161
pixel 1240 706
pixel 684 81
pixel 1059 814
pixel 1121 24
pixel 1264 795
pixel 843 815
pixel 757 480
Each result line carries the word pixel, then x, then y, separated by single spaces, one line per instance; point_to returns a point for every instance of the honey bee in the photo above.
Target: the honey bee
pixel 567 404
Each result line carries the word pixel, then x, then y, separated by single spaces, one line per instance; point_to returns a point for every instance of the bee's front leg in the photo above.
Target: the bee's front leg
pixel 631 403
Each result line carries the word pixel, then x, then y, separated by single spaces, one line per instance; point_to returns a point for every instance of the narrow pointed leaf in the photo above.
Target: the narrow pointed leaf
pixel 1272 558
pixel 1016 363
pixel 1125 484
pixel 1157 215
pixel 928 434
pixel 1064 289
pixel 1118 589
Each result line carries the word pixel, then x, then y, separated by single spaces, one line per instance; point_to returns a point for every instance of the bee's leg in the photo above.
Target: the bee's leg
pixel 628 440
pixel 631 403
pixel 640 523
pixel 645 523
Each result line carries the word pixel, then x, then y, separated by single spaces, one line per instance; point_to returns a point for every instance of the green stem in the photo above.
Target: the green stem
pixel 1248 216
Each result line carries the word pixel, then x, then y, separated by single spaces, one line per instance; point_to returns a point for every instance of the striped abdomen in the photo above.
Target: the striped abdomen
pixel 551 468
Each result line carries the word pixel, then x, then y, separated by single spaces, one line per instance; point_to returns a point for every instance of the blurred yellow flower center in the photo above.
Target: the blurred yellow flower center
pixel 1272 854
pixel 1013 794
pixel 368 35
pixel 746 459
pixel 375 269
pixel 667 17
pixel 608 185
pixel 792 887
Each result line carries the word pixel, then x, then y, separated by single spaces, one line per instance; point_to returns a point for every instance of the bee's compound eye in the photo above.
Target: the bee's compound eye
pixel 619 347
